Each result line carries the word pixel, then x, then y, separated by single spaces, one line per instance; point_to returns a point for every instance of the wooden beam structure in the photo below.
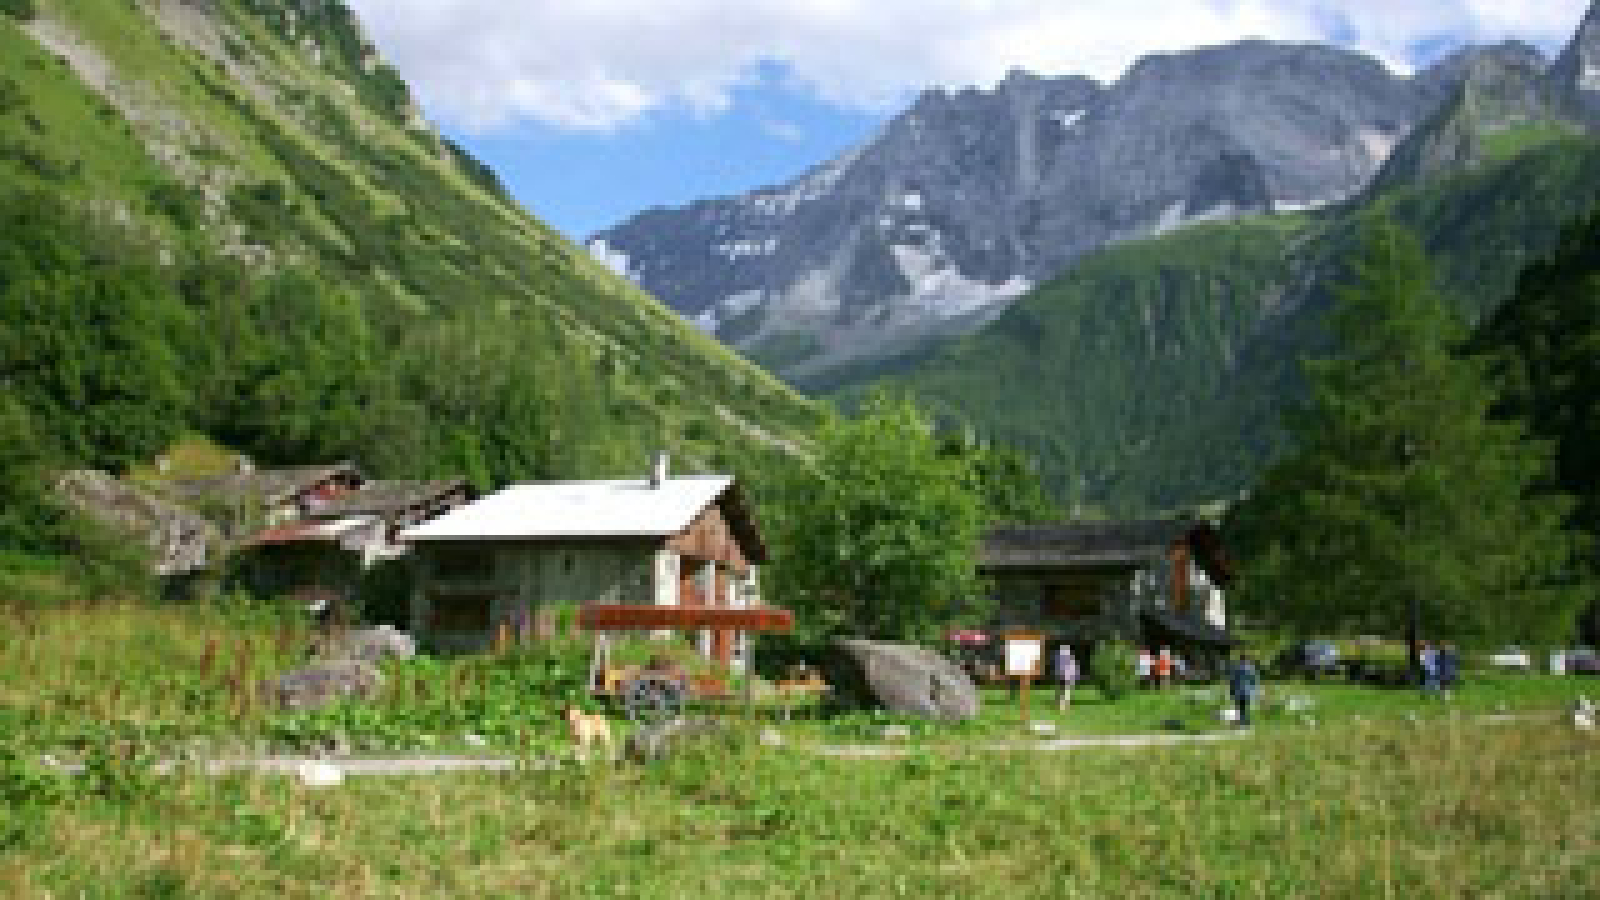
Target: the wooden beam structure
pixel 763 619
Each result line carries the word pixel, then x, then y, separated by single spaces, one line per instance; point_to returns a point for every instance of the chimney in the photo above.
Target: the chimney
pixel 658 474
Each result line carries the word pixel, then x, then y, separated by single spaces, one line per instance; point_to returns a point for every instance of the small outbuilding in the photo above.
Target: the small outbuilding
pixel 523 560
pixel 1158 581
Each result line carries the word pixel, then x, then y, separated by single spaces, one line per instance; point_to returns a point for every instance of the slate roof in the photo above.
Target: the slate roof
pixel 1091 544
pixel 562 509
pixel 268 485
pixel 376 498
pixel 1087 543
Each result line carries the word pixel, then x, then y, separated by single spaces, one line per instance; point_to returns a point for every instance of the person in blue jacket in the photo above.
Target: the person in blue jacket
pixel 1244 681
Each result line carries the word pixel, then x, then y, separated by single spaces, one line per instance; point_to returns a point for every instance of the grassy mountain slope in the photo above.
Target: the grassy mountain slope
pixel 332 277
pixel 1152 375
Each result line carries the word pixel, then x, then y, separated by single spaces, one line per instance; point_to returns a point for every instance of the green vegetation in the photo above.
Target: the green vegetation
pixel 1402 490
pixel 281 261
pixel 1152 375
pixel 1447 804
pixel 1543 340
pixel 879 540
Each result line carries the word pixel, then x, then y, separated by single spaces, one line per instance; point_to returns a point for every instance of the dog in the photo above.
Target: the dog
pixel 587 730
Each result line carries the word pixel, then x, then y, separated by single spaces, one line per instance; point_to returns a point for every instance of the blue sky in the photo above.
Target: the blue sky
pixel 583 181
pixel 592 110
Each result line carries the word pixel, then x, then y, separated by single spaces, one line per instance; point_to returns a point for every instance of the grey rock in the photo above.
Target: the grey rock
pixel 907 678
pixel 180 541
pixel 323 683
pixel 663 739
pixel 1574 78
pixel 368 645
pixel 969 197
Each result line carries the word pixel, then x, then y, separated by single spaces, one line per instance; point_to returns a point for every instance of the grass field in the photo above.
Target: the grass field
pixel 1395 809
pixel 1366 803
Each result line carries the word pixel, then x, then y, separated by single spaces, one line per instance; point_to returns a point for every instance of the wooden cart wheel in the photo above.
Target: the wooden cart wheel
pixel 652 698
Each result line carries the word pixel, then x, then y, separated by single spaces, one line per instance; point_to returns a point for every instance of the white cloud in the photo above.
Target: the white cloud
pixel 598 64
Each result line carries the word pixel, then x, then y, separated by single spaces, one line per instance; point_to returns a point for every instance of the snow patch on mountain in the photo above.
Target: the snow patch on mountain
pixel 610 257
pixel 1068 119
pixel 940 289
pixel 1379 146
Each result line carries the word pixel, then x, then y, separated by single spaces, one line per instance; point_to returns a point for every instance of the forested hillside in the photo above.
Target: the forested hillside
pixel 1152 375
pixel 228 217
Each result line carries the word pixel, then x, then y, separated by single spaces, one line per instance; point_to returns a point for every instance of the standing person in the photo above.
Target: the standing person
pixel 1428 656
pixel 1164 668
pixel 1067 671
pixel 1145 666
pixel 1448 663
pixel 1244 680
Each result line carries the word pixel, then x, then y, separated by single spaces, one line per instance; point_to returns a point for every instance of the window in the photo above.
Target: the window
pixel 461 613
pixel 1069 602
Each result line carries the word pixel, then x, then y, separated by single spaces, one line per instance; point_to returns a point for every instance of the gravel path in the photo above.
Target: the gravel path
pixel 430 764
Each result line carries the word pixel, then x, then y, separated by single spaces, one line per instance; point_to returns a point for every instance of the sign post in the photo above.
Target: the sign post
pixel 1024 652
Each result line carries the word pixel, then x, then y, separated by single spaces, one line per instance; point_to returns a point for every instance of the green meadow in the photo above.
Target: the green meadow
pixel 1372 793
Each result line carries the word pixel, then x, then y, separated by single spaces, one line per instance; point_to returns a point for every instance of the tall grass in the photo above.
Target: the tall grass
pixel 1455 809
pixel 1449 805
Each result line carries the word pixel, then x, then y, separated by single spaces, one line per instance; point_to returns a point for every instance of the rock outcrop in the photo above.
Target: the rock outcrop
pixel 971 197
pixel 324 683
pixel 180 541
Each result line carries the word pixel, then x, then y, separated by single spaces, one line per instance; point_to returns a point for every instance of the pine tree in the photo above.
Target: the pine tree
pixel 1403 489
pixel 1545 341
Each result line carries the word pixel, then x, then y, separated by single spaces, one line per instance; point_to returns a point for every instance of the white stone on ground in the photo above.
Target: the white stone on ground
pixel 314 773
pixel 771 737
pixel 896 732
pixel 476 740
pixel 1042 726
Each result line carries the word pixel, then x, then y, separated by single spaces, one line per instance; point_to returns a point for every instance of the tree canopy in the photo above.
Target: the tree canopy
pixel 1403 486
pixel 877 538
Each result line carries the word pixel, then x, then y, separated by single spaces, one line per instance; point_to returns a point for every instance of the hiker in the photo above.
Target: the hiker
pixel 1144 666
pixel 1243 683
pixel 1067 671
pixel 1448 664
pixel 1428 656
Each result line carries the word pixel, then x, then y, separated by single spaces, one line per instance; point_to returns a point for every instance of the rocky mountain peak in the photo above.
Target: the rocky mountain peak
pixel 1575 77
pixel 972 196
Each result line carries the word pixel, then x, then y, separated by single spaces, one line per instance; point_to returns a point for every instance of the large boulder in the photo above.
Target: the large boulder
pixel 324 683
pixel 908 678
pixel 369 645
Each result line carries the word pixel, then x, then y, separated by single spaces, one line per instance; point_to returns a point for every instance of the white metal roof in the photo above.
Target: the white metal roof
pixel 558 509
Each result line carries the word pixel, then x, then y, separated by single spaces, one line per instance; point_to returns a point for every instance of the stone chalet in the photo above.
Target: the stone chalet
pixel 1155 581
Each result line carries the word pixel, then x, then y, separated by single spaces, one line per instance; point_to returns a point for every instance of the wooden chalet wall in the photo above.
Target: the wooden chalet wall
pixel 708 537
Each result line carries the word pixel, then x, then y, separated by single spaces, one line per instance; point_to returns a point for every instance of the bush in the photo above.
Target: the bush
pixel 23 10
pixel 1114 668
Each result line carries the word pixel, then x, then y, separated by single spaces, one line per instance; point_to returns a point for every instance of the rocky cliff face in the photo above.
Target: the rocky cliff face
pixel 1575 77
pixel 970 198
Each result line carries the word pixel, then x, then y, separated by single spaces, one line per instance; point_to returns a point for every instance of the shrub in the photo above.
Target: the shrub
pixel 1114 668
